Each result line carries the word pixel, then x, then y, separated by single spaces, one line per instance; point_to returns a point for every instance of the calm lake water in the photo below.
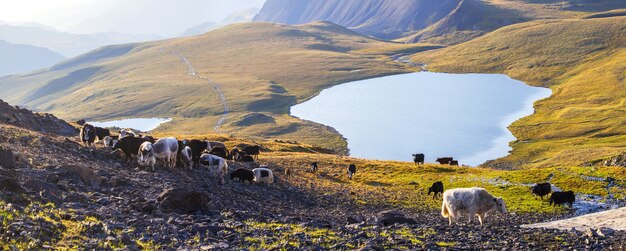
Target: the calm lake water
pixel 460 115
pixel 144 125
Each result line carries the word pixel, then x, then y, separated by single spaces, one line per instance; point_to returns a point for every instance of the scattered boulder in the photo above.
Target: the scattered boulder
pixel 46 191
pixel 87 175
pixel 605 232
pixel 355 219
pixel 8 181
pixel 390 217
pixel 184 201
pixel 7 159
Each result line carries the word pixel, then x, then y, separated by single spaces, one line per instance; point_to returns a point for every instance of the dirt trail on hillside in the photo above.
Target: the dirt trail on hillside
pixel 615 219
pixel 216 87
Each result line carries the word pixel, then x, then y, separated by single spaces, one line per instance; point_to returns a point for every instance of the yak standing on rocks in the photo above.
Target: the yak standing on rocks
pixel 252 150
pixel 351 170
pixel 197 148
pixel 314 167
pixel 165 150
pixel 186 157
pixel 128 145
pixel 243 175
pixel 217 165
pixel 559 198
pixel 146 155
pixel 471 202
pixel 263 175
pixel 88 134
pixel 101 133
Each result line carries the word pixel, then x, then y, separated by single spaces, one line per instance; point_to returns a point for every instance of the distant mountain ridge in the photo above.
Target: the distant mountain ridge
pixel 67 44
pixel 384 19
pixel 17 58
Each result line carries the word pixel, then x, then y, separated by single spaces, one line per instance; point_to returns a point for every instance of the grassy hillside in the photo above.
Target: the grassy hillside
pixel 261 68
pixel 581 60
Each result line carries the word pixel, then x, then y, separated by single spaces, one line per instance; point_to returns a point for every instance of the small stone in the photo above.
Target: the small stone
pixel 591 232
pixel 605 232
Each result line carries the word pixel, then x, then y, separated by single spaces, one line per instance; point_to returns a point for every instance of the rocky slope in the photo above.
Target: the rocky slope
pixel 41 122
pixel 384 19
pixel 65 195
pixel 446 21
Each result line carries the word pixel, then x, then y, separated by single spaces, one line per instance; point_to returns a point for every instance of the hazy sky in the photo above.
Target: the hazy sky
pixel 162 17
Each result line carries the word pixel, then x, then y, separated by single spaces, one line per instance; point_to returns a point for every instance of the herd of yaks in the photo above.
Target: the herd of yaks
pixel 188 154
pixel 471 202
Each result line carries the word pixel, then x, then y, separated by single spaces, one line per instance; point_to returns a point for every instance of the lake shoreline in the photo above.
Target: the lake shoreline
pixel 527 108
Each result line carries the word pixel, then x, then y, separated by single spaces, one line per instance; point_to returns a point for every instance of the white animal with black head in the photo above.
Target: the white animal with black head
pixel 263 175
pixel 471 202
pixel 217 165
pixel 186 157
pixel 146 155
pixel 165 150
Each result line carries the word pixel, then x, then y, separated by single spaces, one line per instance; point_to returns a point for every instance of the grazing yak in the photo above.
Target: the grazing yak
pixel 436 188
pixel 217 165
pixel 243 175
pixel 244 158
pixel 234 154
pixel 126 133
pixel 351 170
pixel 186 157
pixel 149 138
pixel 471 202
pixel 108 141
pixel 88 134
pixel 263 175
pixel 102 132
pixel 217 143
pixel 288 172
pixel 219 151
pixel 418 158
pixel 541 189
pixel 165 150
pixel 445 160
pixel 559 198
pixel 197 148
pixel 146 155
pixel 314 167
pixel 252 150
pixel 128 145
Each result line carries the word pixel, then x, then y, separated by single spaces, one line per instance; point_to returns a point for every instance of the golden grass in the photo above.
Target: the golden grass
pixel 581 60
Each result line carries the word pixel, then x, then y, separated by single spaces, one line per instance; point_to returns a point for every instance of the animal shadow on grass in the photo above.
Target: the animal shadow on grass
pixel 444 170
pixel 377 184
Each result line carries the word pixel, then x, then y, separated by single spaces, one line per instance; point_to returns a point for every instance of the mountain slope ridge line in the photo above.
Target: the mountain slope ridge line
pixel 192 72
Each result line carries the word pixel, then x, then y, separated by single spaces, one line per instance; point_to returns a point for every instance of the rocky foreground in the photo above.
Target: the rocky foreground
pixel 57 194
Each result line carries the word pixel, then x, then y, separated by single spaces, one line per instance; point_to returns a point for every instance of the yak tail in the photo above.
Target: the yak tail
pixel 445 212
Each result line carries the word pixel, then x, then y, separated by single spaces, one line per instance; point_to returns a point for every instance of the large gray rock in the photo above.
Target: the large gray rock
pixel 7 159
pixel 390 217
pixel 184 201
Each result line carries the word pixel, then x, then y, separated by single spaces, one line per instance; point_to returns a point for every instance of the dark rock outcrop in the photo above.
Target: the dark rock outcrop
pixel 41 122
pixel 390 217
pixel 7 159
pixel 184 201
